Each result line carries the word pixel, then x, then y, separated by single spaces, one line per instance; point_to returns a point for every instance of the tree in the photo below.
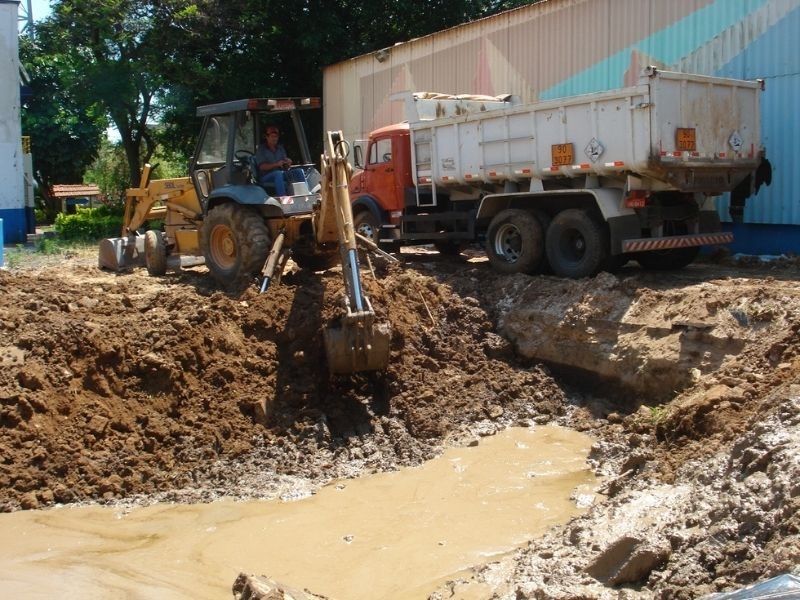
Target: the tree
pixel 65 131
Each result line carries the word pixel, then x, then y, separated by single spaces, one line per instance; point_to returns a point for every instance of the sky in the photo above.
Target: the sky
pixel 39 8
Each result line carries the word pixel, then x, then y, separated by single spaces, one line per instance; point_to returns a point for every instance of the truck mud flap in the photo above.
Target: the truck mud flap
pixel 677 241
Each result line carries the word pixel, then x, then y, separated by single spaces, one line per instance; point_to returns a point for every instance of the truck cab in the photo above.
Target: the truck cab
pixel 389 208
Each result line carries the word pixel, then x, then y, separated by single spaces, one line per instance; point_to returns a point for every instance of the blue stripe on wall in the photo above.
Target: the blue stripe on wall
pixel 667 46
pixel 754 238
pixel 775 57
pixel 15 225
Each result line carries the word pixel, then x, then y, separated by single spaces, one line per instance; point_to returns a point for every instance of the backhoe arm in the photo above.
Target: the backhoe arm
pixel 358 344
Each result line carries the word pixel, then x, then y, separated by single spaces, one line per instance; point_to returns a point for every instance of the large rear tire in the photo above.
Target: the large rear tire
pixel 155 253
pixel 665 260
pixel 235 242
pixel 577 245
pixel 514 242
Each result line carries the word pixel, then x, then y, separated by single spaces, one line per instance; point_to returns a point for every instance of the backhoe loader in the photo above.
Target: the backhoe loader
pixel 222 216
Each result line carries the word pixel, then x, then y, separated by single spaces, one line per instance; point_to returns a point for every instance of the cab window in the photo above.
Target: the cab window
pixel 380 151
pixel 215 142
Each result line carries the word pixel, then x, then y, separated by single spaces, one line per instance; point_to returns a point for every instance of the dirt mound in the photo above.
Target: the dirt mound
pixel 125 388
pixel 117 385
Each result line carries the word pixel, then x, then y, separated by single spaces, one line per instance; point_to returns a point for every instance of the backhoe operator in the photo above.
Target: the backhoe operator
pixel 273 164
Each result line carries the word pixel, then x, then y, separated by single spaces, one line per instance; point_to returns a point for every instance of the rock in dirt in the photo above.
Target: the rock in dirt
pixel 260 587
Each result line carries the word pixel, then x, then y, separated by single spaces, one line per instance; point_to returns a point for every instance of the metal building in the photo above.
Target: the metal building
pixel 560 48
pixel 12 190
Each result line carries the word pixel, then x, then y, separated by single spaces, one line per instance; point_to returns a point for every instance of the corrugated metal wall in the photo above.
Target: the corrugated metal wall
pixel 564 47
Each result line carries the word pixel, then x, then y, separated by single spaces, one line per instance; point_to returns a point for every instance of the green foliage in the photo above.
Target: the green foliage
pixel 40 215
pixel 133 62
pixel 65 130
pixel 88 224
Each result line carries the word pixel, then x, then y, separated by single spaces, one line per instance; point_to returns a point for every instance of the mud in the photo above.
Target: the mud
pixel 129 389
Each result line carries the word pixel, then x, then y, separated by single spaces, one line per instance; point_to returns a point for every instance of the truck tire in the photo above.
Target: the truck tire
pixel 155 253
pixel 664 260
pixel 366 224
pixel 577 245
pixel 514 242
pixel 235 242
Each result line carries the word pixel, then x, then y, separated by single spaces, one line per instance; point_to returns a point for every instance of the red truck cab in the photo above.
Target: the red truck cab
pixel 378 190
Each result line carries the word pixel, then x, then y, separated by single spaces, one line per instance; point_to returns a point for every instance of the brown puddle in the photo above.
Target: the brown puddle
pixel 391 535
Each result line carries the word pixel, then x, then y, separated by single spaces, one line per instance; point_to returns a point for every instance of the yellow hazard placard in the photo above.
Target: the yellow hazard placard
pixel 562 154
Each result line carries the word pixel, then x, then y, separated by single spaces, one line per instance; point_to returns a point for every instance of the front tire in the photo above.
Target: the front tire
pixel 366 224
pixel 155 253
pixel 514 242
pixel 235 242
pixel 577 245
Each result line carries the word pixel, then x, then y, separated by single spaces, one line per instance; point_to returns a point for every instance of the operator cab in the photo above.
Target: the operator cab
pixel 224 160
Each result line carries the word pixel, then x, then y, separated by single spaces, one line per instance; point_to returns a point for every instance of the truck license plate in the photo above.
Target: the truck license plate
pixel 562 154
pixel 686 139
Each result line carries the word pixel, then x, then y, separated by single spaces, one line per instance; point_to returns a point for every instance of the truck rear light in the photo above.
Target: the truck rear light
pixel 636 199
pixel 615 164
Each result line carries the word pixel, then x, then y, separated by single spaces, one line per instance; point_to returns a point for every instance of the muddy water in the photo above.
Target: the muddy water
pixel 391 535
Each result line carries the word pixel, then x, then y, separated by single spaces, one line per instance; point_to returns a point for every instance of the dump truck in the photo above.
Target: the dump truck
pixel 573 185
pixel 220 215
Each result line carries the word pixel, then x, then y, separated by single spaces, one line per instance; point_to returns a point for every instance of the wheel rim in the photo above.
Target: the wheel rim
pixel 223 247
pixel 508 243
pixel 573 245
pixel 366 229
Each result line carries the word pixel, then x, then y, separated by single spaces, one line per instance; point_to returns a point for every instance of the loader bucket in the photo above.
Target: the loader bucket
pixel 121 254
pixel 357 345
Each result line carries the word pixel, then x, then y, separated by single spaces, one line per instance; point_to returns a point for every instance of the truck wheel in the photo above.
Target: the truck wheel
pixel 514 242
pixel 235 242
pixel 577 245
pixel 155 253
pixel 664 260
pixel 367 225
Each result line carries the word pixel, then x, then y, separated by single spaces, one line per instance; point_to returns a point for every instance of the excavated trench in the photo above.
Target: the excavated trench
pixel 128 390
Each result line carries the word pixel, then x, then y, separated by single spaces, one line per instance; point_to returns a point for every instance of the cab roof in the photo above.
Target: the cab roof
pixel 275 105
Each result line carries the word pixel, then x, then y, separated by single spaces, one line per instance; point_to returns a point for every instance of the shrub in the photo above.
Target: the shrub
pixel 89 224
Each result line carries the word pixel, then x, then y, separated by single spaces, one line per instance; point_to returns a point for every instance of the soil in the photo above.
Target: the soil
pixel 128 389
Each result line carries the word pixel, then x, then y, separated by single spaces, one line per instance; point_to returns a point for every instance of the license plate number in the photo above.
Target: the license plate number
pixel 686 139
pixel 562 154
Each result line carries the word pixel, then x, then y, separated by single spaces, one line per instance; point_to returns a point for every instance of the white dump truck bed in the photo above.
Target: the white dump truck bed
pixel 671 131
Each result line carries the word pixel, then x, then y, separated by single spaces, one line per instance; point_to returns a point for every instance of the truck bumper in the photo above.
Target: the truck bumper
pixel 678 241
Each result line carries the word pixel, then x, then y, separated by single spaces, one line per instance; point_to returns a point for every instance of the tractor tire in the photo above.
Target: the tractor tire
pixel 366 224
pixel 576 243
pixel 665 260
pixel 235 243
pixel 155 253
pixel 514 242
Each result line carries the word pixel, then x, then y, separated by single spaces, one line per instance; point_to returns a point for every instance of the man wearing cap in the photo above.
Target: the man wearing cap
pixel 272 160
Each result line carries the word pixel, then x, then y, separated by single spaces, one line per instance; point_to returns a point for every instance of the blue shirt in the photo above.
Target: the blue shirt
pixel 265 155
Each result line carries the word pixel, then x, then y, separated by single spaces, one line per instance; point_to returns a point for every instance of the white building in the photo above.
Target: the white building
pixel 12 189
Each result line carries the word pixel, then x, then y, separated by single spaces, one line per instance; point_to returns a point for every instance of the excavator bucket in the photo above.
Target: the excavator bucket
pixel 357 343
pixel 122 253
pixel 352 347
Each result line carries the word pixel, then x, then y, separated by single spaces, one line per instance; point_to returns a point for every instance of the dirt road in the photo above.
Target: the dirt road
pixel 125 388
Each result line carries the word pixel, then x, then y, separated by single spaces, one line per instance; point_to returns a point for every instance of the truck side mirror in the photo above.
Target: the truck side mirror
pixel 358 156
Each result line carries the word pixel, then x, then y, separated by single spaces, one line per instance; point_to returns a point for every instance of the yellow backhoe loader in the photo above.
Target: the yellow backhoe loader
pixel 221 215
